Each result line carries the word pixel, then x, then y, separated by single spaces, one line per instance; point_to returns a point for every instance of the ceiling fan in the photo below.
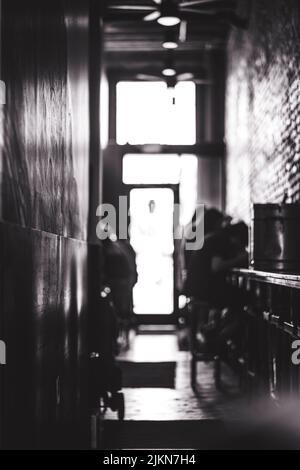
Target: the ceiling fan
pixel 172 12
pixel 172 78
pixel 170 75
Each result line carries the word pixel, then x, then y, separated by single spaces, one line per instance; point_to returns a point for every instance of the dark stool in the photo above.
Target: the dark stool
pixel 200 350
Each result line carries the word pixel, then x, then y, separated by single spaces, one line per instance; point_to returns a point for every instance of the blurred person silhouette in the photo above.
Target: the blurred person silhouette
pixel 120 276
pixel 120 272
pixel 222 251
pixel 213 221
pixel 207 268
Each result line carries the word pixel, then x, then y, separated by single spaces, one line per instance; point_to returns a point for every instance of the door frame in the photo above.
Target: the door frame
pixel 160 319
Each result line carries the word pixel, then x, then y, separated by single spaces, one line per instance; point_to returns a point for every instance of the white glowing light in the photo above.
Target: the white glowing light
pixel 145 114
pixel 170 45
pixel 168 72
pixel 142 169
pixel 168 20
pixel 151 235
pixel 182 302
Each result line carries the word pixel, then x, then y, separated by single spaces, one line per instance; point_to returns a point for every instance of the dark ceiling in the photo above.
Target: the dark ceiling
pixel 132 44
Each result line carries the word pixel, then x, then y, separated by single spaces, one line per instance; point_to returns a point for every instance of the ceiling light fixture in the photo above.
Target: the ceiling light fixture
pixel 170 45
pixel 169 69
pixel 169 72
pixel 169 14
pixel 170 41
pixel 168 20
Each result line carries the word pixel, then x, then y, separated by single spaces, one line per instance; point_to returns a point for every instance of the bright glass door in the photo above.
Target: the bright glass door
pixel 151 235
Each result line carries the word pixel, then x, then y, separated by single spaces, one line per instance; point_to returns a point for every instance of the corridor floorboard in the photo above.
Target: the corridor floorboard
pixel 172 418
pixel 148 374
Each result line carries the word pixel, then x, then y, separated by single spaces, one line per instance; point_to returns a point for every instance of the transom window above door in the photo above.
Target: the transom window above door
pixel 151 169
pixel 146 113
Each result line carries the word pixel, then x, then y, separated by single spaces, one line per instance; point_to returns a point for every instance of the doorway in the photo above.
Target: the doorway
pixel 154 183
pixel 151 235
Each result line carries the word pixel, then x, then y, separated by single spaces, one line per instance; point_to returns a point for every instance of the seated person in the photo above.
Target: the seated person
pixel 213 221
pixel 207 269
pixel 206 284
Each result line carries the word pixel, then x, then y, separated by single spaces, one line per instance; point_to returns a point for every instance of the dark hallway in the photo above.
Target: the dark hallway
pixel 149 226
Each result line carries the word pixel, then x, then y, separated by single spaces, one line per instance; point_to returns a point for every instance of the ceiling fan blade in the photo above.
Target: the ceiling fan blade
pixel 152 16
pixel 203 81
pixel 183 31
pixel 131 7
pixel 194 3
pixel 145 77
pixel 185 76
pixel 194 11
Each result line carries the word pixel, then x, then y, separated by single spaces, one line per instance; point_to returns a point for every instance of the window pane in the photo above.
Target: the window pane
pixel 151 169
pixel 146 113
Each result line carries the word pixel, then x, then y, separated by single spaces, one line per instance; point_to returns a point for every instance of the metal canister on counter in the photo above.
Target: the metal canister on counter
pixel 275 237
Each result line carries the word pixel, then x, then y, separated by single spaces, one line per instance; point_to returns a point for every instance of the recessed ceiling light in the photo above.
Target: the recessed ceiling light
pixel 170 44
pixel 170 39
pixel 169 14
pixel 169 72
pixel 168 20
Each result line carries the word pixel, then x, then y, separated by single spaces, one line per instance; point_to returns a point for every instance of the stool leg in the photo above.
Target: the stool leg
pixel 217 371
pixel 193 372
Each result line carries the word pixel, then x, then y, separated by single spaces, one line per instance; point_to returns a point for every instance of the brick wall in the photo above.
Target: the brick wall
pixel 263 106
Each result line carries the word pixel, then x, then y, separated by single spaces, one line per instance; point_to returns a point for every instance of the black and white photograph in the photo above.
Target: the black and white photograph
pixel 149 228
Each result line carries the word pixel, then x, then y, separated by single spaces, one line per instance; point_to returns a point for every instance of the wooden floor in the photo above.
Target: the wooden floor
pixel 177 418
pixel 179 403
pixel 182 414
